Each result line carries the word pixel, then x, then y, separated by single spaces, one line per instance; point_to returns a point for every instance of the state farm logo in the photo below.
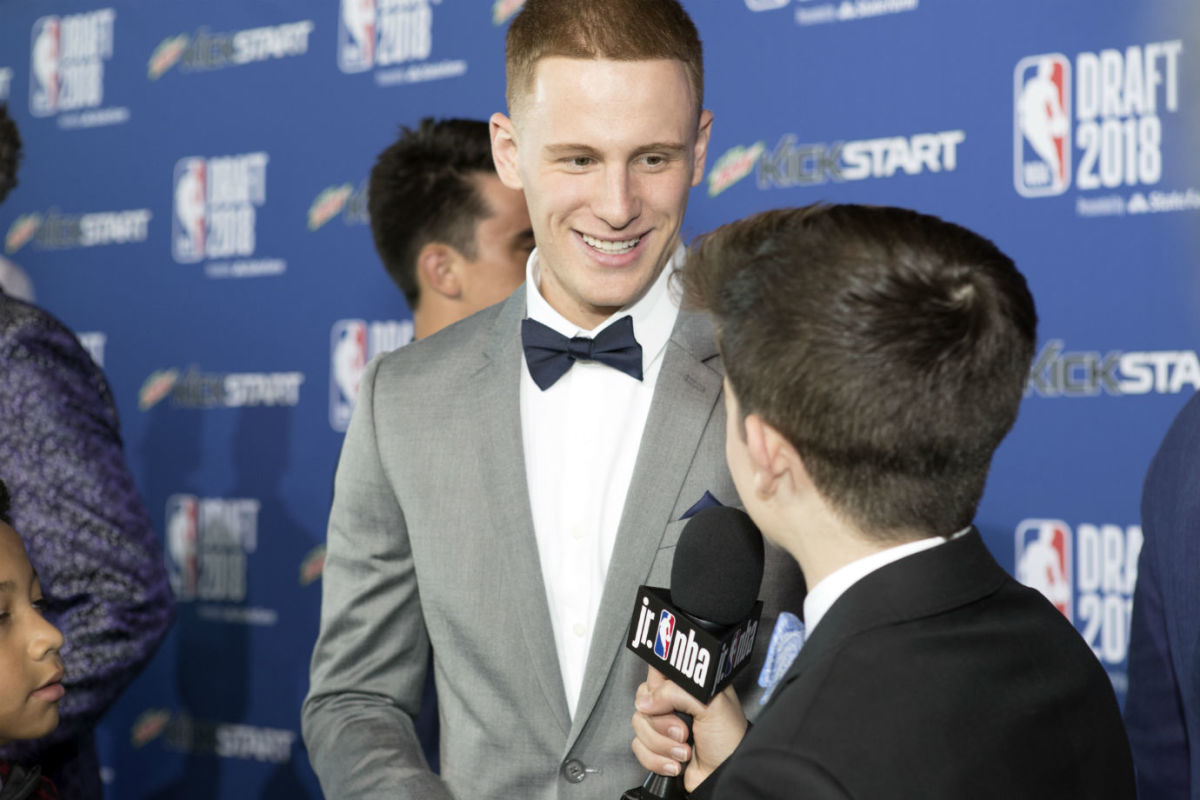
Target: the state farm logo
pixel 381 35
pixel 66 68
pixel 1098 123
pixel 1089 576
pixel 353 343
pixel 1057 372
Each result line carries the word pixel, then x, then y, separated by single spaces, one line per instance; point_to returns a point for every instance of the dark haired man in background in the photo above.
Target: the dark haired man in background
pixel 450 234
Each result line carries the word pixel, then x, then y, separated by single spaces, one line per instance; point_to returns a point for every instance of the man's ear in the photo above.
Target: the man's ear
pixel 437 270
pixel 700 151
pixel 504 150
pixel 777 465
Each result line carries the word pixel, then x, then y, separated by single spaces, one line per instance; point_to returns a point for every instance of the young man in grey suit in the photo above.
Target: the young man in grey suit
pixel 876 357
pixel 501 507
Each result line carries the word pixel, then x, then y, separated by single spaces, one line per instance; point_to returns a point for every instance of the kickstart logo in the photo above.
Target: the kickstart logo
pixel 1089 574
pixel 354 342
pixel 383 35
pixel 217 200
pixel 204 50
pixel 1057 372
pixel 1099 123
pixel 790 163
pixel 56 230
pixel 66 68
pixel 196 389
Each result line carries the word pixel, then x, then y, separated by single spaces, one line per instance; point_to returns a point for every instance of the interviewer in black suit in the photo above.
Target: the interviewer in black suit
pixel 875 358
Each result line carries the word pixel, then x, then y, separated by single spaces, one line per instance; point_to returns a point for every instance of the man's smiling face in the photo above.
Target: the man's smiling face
pixel 606 152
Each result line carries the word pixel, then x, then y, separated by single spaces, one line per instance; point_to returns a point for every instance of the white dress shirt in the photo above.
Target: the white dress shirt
pixel 821 597
pixel 581 439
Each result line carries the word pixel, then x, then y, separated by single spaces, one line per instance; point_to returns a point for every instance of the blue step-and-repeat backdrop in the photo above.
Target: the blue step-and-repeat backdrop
pixel 192 203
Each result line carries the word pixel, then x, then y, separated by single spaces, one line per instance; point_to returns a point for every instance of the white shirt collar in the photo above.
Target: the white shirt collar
pixel 822 596
pixel 653 314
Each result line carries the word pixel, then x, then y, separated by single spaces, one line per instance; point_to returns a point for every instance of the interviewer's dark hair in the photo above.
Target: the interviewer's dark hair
pixel 422 190
pixel 889 347
pixel 10 152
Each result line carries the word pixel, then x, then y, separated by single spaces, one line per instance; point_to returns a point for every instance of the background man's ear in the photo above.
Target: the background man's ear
pixel 437 270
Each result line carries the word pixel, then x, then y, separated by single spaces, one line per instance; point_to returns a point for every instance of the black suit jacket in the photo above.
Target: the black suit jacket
pixel 937 676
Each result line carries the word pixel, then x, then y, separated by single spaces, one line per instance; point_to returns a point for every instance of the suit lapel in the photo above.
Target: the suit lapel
pixel 497 398
pixel 950 575
pixel 687 390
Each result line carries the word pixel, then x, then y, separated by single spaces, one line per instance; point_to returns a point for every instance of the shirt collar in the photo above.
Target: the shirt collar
pixel 653 314
pixel 822 596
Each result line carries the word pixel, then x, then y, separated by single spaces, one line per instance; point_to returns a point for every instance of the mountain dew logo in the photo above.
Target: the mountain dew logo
pixel 329 204
pixel 735 164
pixel 21 231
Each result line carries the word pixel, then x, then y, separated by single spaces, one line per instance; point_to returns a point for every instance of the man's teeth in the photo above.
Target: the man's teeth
pixel 610 247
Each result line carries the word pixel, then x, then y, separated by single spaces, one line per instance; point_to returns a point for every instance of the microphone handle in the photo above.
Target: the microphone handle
pixel 663 787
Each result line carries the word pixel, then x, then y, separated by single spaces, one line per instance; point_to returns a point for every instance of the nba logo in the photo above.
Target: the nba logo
pixel 348 358
pixel 44 79
pixel 662 640
pixel 183 535
pixel 189 229
pixel 1044 561
pixel 1042 125
pixel 356 35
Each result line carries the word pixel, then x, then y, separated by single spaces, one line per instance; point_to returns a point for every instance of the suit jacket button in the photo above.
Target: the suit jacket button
pixel 574 770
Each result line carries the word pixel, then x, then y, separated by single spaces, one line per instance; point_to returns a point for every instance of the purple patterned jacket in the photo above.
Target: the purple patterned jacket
pixel 81 517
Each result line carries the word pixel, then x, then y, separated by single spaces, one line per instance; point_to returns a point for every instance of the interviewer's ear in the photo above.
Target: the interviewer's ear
pixel 777 465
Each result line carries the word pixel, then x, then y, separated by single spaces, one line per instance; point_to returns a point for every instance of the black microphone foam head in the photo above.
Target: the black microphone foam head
pixel 718 566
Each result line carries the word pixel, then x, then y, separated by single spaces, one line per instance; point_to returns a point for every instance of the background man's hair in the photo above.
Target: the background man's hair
pixel 423 189
pixel 891 348
pixel 619 30
pixel 10 152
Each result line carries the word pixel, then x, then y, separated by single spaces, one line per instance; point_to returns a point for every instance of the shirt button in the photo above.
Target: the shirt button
pixel 574 770
pixel 580 629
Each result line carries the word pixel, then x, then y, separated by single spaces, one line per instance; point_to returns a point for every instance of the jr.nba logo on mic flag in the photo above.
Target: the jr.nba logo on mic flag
pixel 666 627
pixel 1042 125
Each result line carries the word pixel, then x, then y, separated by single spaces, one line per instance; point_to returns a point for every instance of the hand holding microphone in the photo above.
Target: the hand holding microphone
pixel 696 638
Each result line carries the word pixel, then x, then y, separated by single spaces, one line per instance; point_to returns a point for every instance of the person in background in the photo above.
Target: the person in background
pixel 450 234
pixel 1162 707
pixel 31 669
pixel 876 358
pixel 82 520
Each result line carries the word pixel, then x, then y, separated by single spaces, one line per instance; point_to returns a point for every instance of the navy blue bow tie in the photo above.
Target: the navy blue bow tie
pixel 549 354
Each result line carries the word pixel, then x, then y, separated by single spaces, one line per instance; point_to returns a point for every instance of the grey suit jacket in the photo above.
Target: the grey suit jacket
pixel 431 544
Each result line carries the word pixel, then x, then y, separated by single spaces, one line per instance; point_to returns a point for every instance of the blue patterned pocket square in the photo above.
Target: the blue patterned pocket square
pixel 786 641
pixel 707 501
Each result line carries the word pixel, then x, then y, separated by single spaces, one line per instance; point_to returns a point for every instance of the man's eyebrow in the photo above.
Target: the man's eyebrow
pixel 568 149
pixel 8 586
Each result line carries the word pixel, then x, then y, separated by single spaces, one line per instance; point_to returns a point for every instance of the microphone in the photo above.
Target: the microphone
pixel 701 633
